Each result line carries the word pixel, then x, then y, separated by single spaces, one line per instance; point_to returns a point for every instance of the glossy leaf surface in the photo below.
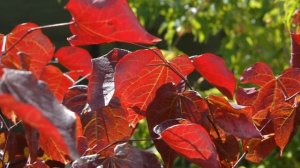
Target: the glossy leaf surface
pixel 214 70
pixel 191 141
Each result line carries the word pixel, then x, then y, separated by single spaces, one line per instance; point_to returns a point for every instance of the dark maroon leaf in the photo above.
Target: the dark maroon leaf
pixel 104 127
pixel 189 140
pixel 101 84
pixel 169 104
pixel 295 53
pixel 76 98
pixel 246 96
pixel 125 156
pixel 233 119
pixel 32 138
pixel 34 103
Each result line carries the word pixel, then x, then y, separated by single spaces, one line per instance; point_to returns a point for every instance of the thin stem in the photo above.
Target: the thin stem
pixel 240 159
pixel 167 64
pixel 294 95
pixel 265 125
pixel 14 126
pixel 89 149
pixel 214 126
pixel 211 120
pixel 81 79
pixel 34 29
pixel 4 44
pixel 4 123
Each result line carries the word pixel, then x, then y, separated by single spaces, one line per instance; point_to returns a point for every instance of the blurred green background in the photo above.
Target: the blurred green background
pixel 241 31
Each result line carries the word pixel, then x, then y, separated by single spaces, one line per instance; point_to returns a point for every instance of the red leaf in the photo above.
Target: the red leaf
pixel 34 104
pixel 162 108
pixel 76 98
pixel 290 82
pixel 295 53
pixel 169 104
pixel 75 59
pixel 101 82
pixel 104 22
pixel 258 149
pixel 104 127
pixel 82 145
pixel 259 74
pixel 246 96
pixel 233 119
pixel 124 156
pixel 214 70
pixel 75 75
pixel 53 150
pixel 228 149
pixel 283 117
pixel 189 140
pixel 36 45
pixel 57 82
pixel 143 68
pixel 32 139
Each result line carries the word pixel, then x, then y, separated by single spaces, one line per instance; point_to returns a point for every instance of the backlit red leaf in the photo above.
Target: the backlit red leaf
pixel 57 82
pixel 105 126
pixel 105 21
pixel 35 45
pixel 34 104
pixel 75 59
pixel 191 141
pixel 169 104
pixel 258 149
pixel 290 82
pixel 283 117
pixel 53 150
pixel 214 70
pixel 259 74
pixel 233 119
pixel 139 74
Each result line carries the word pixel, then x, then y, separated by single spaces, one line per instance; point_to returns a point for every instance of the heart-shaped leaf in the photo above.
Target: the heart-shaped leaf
pixel 214 70
pixel 105 21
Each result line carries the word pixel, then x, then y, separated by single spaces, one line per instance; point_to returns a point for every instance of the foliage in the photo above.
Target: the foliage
pixel 243 31
pixel 60 123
